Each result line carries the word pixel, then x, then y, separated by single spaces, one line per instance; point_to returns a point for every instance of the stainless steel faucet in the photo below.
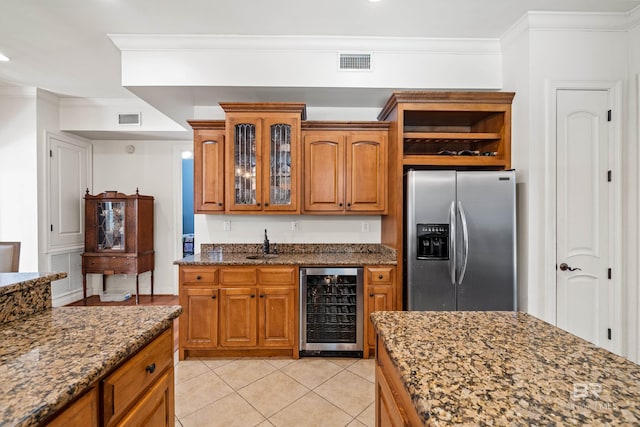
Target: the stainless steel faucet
pixel 265 244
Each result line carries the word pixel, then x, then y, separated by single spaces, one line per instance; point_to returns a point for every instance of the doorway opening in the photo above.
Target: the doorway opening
pixel 187 203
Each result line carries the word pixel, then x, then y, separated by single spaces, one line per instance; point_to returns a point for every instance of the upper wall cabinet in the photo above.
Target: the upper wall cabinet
pixel 208 165
pixel 345 167
pixel 262 157
pixel 452 129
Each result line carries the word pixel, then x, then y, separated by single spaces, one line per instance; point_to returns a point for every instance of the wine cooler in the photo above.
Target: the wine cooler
pixel 331 311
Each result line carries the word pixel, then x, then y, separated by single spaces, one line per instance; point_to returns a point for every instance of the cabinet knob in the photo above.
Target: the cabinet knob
pixel 261 295
pixel 348 205
pixel 150 368
pixel 219 204
pixel 253 295
pixel 213 297
pixel 380 276
pixel 257 204
pixel 340 204
pixel 198 277
pixel 266 204
pixel 371 294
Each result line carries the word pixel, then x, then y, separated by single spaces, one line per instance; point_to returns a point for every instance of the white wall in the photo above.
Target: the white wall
pixel 540 54
pixel 632 192
pixel 19 172
pixel 152 169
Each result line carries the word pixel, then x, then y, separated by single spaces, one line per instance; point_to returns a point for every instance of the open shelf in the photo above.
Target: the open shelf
pixel 435 160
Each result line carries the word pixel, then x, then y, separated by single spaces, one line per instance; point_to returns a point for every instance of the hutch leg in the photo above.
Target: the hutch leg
pixel 104 283
pixel 84 287
pixel 137 289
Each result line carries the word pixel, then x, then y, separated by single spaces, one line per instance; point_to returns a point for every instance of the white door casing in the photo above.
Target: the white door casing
pixel 583 216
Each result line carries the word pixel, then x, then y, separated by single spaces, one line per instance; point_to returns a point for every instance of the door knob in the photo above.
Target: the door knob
pixel 565 267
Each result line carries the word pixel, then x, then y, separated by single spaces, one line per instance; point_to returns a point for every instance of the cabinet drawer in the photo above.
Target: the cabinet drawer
pixel 380 274
pixel 110 264
pixel 195 275
pixel 281 276
pixel 122 388
pixel 238 276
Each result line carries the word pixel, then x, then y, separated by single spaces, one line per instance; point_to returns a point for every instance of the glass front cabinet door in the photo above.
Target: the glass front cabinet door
pixel 264 160
pixel 110 220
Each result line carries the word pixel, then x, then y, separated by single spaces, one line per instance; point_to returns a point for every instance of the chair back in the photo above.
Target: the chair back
pixel 9 257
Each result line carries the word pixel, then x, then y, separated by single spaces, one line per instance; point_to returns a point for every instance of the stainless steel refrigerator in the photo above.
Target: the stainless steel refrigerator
pixel 460 240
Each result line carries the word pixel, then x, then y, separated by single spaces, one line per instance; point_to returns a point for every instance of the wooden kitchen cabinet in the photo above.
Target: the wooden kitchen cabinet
pixel 238 311
pixel 82 413
pixel 208 166
pixel 393 405
pixel 262 157
pixel 140 392
pixel 345 168
pixel 256 311
pixel 452 129
pixel 118 236
pixel 379 284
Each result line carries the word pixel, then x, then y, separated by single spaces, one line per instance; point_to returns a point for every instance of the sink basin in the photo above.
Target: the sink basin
pixel 262 256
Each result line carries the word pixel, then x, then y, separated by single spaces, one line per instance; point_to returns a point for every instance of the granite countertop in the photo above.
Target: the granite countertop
pixel 505 368
pixel 50 358
pixel 12 282
pixel 293 254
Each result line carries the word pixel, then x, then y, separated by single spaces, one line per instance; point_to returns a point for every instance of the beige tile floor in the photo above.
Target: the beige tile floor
pixel 275 392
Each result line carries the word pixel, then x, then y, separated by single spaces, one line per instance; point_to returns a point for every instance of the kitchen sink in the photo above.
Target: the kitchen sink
pixel 262 256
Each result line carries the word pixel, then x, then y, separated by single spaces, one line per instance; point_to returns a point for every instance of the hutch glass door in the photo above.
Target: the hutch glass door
pixel 111 233
pixel 280 164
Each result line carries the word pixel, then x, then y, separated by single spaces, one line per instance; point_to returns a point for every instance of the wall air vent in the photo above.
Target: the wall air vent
pixel 355 62
pixel 129 118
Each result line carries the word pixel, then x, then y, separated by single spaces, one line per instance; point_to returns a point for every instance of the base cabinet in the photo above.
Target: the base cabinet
pixel 394 407
pixel 138 393
pixel 379 284
pixel 238 310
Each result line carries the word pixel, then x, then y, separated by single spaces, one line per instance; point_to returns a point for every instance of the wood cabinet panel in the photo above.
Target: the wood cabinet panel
pixel 82 413
pixel 155 408
pixel 199 323
pixel 122 388
pixel 208 169
pixel 278 276
pixel 379 292
pixel 199 275
pixel 345 171
pixel 238 312
pixel 238 276
pixel 276 316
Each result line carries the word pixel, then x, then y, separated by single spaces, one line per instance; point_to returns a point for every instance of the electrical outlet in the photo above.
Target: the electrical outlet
pixel 365 227
pixel 294 225
pixel 227 226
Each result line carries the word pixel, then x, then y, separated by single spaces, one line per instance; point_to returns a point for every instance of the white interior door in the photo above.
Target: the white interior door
pixel 583 216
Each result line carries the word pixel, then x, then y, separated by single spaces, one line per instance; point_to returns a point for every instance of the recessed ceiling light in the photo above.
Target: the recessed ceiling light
pixel 3 57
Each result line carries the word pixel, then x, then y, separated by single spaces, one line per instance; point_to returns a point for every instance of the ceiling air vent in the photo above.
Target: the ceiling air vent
pixel 355 61
pixel 129 118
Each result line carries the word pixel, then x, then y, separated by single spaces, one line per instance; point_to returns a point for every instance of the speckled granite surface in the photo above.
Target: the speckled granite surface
pixel 504 368
pixel 49 358
pixel 23 294
pixel 293 254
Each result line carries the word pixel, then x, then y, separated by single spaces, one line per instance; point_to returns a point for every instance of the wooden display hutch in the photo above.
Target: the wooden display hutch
pixel 118 237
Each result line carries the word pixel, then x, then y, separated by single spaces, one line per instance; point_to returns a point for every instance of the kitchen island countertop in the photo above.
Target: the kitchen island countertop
pixel 506 368
pixel 51 357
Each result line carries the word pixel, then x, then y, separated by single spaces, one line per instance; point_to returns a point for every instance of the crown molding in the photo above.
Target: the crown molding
pixel 634 18
pixel 580 21
pixel 165 42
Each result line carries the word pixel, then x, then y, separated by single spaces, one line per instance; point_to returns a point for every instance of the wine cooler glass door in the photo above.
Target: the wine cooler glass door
pixel 331 309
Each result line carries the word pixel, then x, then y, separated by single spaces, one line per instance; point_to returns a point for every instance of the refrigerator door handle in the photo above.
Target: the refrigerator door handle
pixel 452 242
pixel 465 242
